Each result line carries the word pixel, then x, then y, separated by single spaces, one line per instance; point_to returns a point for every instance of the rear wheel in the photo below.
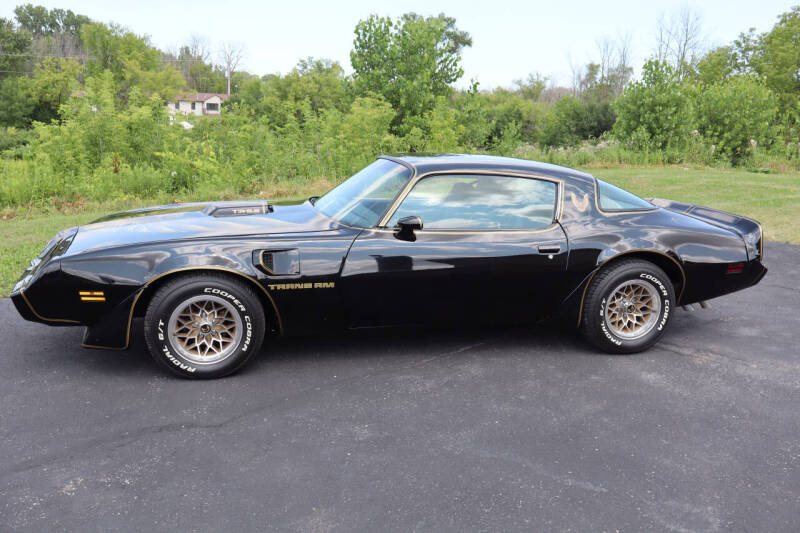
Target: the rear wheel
pixel 204 325
pixel 627 307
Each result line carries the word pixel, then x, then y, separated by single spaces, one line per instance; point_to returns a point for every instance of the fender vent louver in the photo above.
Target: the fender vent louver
pixel 278 262
pixel 268 261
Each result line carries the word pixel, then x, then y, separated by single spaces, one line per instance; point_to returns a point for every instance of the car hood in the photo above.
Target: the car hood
pixel 196 221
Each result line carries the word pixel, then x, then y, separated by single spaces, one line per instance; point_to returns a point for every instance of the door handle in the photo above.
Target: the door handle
pixel 549 249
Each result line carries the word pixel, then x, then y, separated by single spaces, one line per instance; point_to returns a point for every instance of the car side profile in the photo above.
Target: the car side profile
pixel 408 240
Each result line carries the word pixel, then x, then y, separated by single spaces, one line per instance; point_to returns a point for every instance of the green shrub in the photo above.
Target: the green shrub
pixel 736 116
pixel 573 120
pixel 504 107
pixel 15 142
pixel 655 113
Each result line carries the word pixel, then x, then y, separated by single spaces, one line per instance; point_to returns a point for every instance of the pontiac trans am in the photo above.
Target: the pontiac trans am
pixel 408 240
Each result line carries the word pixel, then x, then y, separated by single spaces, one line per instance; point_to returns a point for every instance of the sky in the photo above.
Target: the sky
pixel 510 38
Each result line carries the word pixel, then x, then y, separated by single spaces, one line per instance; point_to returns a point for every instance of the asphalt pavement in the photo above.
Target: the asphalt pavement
pixel 510 429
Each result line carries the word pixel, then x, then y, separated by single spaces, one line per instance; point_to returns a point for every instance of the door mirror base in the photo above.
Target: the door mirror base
pixel 407 226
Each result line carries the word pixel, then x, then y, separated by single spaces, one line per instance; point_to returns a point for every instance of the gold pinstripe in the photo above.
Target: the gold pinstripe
pixel 185 269
pixel 597 269
pixel 40 317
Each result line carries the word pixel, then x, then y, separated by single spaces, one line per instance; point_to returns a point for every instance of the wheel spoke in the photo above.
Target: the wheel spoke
pixel 205 329
pixel 632 309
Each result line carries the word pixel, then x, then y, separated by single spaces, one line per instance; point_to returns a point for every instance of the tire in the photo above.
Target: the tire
pixel 204 326
pixel 627 307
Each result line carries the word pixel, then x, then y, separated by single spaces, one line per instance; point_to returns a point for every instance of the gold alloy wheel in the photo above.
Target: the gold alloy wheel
pixel 633 309
pixel 205 329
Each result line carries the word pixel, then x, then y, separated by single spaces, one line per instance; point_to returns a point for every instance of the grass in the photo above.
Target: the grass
pixel 773 199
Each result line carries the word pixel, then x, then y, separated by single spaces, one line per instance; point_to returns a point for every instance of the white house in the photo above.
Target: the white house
pixel 197 104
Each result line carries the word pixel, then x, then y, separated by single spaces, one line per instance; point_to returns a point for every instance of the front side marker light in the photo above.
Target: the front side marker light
pixel 92 296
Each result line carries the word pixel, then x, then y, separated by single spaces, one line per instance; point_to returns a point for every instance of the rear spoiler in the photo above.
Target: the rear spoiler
pixel 748 229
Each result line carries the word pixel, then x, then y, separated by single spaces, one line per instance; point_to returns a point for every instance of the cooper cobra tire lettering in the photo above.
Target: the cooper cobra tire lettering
pixel 174 293
pixel 224 294
pixel 594 326
pixel 665 304
pixel 176 362
pixel 656 281
pixel 607 333
pixel 248 335
pixel 665 316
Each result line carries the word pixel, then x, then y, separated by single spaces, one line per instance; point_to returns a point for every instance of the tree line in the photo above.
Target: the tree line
pixel 84 112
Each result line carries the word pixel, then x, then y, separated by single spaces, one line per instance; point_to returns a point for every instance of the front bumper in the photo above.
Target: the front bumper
pixel 41 282
pixel 23 308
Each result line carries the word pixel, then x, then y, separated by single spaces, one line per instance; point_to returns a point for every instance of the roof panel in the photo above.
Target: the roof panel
pixel 427 163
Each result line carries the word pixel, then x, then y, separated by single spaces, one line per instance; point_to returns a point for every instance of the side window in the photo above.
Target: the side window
pixel 615 199
pixel 453 202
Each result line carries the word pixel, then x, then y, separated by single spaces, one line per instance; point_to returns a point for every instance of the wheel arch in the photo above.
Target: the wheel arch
pixel 147 291
pixel 671 266
pixel 666 262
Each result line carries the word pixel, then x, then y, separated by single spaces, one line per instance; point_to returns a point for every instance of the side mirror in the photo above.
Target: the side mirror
pixel 411 223
pixel 407 226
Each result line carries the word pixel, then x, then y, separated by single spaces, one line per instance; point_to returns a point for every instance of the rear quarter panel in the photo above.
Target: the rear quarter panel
pixel 701 250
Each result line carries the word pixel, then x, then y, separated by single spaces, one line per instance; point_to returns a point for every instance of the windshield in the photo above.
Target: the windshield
pixel 362 199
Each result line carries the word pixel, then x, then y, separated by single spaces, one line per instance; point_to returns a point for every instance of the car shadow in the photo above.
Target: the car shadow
pixel 367 343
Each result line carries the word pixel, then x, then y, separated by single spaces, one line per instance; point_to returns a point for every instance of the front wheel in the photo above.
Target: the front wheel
pixel 204 325
pixel 627 306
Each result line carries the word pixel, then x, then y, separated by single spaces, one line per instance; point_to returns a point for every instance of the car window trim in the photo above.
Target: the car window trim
pixel 388 158
pixel 608 212
pixel 417 178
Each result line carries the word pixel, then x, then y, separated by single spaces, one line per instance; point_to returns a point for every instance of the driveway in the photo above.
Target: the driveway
pixel 495 429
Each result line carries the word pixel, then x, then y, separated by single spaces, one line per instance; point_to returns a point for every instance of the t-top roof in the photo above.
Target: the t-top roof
pixel 428 163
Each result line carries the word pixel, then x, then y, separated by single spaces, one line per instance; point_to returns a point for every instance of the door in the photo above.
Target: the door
pixel 490 250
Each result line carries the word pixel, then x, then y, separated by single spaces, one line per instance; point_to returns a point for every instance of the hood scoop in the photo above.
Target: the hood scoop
pixel 237 209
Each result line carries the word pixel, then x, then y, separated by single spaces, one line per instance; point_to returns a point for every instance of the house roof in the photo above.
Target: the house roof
pixel 201 97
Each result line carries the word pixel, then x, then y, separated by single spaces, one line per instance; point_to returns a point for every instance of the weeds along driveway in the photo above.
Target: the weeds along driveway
pixel 498 429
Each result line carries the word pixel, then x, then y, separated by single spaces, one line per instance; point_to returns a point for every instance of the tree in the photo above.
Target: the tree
pixel 14 44
pixel 193 60
pixel 736 115
pixel 18 103
pixel 55 32
pixel 680 41
pixel 40 21
pixel 603 80
pixel 53 82
pixel 130 59
pixel 231 54
pixel 773 57
pixel 508 111
pixel 716 66
pixel 531 87
pixel 655 112
pixel 321 82
pixel 34 19
pixel 776 57
pixel 410 61
pixel 572 121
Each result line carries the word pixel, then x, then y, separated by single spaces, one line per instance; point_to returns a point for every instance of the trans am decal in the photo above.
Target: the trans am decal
pixel 290 286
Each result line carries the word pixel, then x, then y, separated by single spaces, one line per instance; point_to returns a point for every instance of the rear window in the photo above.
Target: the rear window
pixel 612 198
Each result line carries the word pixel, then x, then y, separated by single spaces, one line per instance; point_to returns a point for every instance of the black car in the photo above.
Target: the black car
pixel 448 239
